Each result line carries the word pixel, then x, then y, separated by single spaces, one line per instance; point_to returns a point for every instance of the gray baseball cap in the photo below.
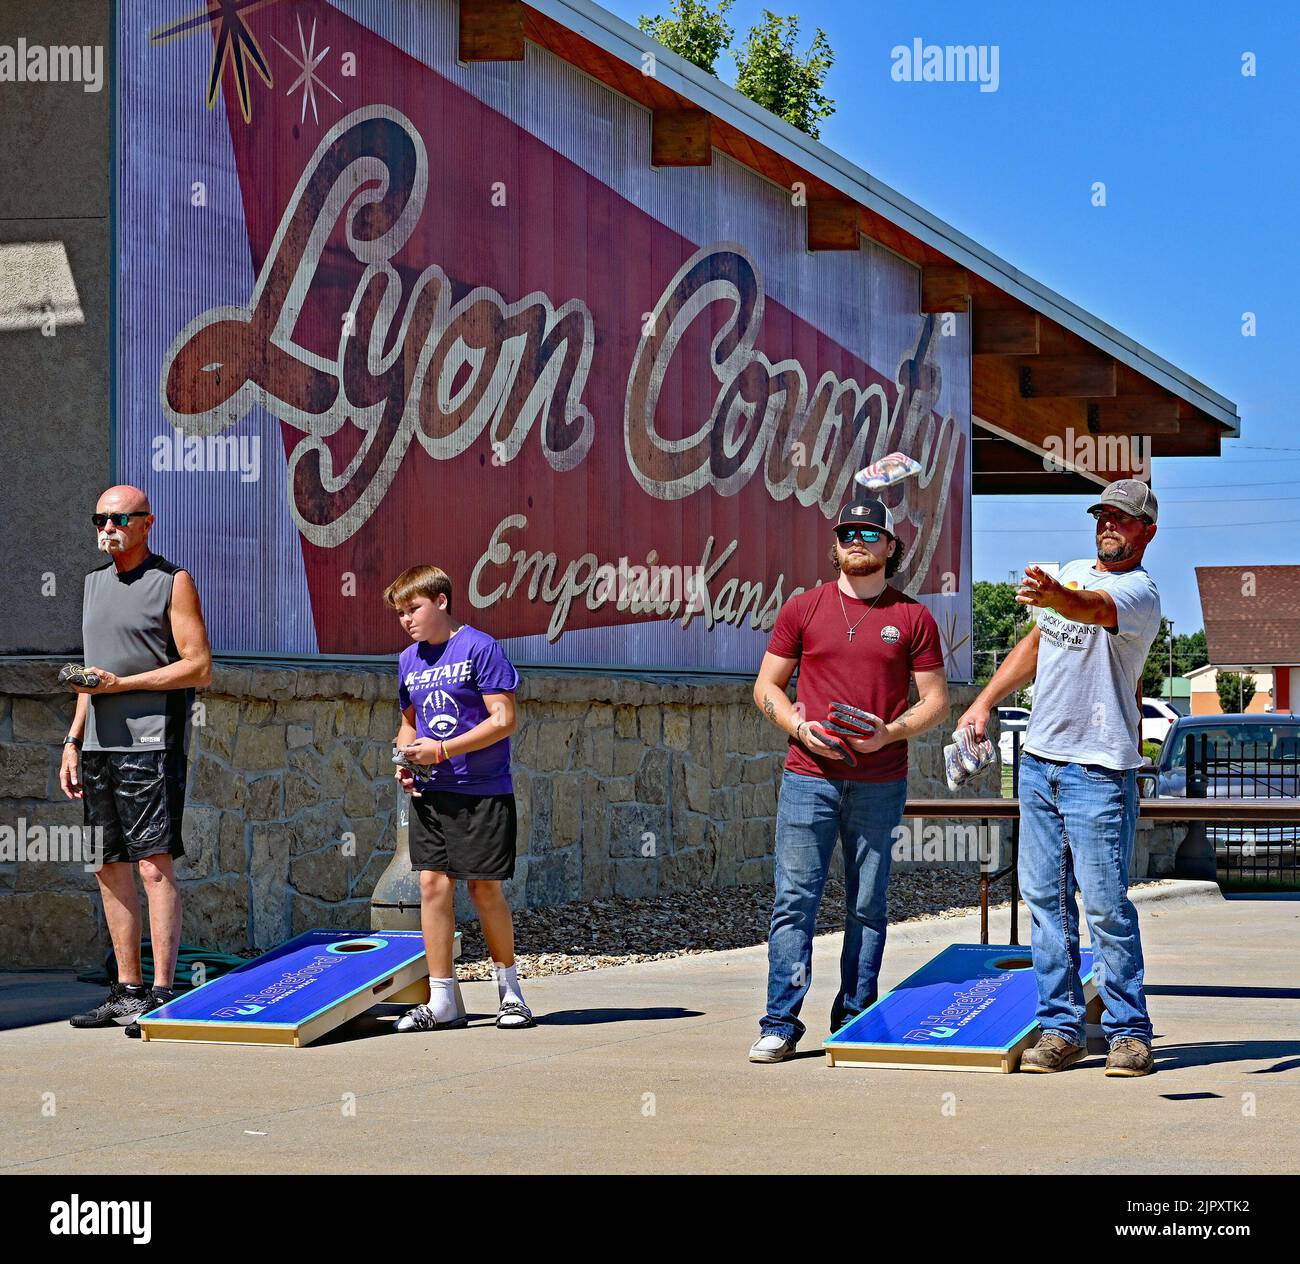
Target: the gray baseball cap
pixel 1131 496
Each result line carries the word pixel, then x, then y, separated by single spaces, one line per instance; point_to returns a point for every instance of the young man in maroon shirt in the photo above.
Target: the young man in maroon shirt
pixel 856 641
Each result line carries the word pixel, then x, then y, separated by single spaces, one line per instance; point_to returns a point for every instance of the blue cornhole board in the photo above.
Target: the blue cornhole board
pixel 297 992
pixel 965 1010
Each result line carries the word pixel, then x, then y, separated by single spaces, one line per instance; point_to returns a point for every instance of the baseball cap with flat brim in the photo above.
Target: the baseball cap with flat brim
pixel 1131 496
pixel 867 513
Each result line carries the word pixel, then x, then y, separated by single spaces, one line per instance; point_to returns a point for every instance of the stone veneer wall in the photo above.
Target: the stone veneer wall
pixel 291 811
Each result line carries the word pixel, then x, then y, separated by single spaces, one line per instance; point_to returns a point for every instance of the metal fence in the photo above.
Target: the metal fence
pixel 1249 850
pixel 1204 816
pixel 1247 853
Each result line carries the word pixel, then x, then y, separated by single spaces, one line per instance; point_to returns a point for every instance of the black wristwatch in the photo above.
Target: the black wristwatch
pixel 72 741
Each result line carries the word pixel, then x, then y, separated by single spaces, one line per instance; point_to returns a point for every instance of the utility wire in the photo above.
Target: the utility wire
pixel 1184 500
pixel 1277 522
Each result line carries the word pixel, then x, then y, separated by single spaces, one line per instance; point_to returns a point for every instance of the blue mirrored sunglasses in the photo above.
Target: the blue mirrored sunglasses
pixel 867 535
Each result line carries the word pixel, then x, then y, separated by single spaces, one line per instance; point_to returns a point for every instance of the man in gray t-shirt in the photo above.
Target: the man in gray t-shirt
pixel 1085 703
pixel 146 647
pixel 1078 790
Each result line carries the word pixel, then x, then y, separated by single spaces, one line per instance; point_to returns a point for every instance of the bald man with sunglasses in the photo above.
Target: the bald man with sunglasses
pixel 146 648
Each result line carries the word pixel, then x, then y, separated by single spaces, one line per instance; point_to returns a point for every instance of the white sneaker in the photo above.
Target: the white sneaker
pixel 771 1049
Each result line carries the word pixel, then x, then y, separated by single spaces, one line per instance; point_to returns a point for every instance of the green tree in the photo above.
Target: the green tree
pixel 777 77
pixel 1156 668
pixel 695 31
pixel 1236 691
pixel 999 621
pixel 1190 651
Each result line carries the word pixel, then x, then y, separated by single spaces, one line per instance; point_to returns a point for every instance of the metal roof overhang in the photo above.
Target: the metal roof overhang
pixel 1006 443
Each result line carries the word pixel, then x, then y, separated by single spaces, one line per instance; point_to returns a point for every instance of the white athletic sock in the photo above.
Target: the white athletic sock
pixel 507 978
pixel 442 999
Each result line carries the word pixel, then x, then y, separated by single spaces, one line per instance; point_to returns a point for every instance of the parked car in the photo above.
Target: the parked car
pixel 1157 719
pixel 1011 720
pixel 1245 757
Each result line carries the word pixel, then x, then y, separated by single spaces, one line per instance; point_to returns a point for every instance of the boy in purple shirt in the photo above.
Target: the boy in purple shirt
pixel 456 695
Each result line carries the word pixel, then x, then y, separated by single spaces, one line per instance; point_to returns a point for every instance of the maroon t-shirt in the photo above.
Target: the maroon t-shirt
pixel 896 637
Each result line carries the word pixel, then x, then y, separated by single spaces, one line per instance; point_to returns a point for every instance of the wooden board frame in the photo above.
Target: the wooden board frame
pixel 1002 1061
pixel 408 984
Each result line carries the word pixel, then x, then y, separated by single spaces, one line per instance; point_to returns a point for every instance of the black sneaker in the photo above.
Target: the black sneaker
pixel 126 1002
pixel 158 997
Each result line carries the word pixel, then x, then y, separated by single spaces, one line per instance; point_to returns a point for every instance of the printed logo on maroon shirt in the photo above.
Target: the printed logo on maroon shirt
pixel 896 637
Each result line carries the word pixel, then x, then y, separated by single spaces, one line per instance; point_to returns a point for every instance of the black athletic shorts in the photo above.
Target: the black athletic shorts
pixel 137 798
pixel 465 836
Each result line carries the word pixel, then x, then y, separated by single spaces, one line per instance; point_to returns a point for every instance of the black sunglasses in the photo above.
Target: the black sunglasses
pixel 1117 516
pixel 866 534
pixel 117 519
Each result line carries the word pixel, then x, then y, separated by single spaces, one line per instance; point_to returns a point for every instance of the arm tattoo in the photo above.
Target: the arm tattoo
pixel 769 709
pixel 915 720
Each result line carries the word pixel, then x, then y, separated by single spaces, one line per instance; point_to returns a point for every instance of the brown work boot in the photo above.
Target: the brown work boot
pixel 1052 1053
pixel 1129 1056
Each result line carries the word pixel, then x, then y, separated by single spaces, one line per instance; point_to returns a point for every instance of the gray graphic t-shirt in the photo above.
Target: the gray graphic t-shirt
pixel 1085 704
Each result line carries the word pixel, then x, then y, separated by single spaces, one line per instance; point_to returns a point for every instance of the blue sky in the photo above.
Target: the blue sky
pixel 1203 207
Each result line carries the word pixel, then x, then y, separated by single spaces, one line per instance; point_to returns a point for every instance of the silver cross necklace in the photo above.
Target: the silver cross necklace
pixel 853 627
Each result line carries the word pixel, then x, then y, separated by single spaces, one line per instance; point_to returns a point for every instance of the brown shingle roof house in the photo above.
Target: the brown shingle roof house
pixel 1252 614
pixel 1252 620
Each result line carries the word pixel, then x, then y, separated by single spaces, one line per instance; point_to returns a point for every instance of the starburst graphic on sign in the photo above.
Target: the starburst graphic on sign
pixel 234 43
pixel 308 80
pixel 948 633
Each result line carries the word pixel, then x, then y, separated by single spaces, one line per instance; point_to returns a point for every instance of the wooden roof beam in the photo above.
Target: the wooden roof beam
pixel 1197 435
pixel 491 30
pixel 833 224
pixel 1002 468
pixel 1067 377
pixel 1189 442
pixel 681 138
pixel 1008 331
pixel 945 289
pixel 1133 415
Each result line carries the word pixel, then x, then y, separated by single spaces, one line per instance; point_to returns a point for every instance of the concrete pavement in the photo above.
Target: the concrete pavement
pixel 642 1069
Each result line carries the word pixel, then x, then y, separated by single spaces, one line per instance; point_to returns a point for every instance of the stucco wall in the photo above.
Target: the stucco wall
pixel 54 408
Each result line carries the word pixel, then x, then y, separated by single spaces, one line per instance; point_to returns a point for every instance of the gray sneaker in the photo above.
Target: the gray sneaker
pixel 125 1003
pixel 1129 1056
pixel 771 1049
pixel 158 997
pixel 1052 1053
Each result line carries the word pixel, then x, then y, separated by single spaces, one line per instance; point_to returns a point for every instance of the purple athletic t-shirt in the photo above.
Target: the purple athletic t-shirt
pixel 445 684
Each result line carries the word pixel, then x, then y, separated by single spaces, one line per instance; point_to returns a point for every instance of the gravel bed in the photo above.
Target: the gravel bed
pixel 620 932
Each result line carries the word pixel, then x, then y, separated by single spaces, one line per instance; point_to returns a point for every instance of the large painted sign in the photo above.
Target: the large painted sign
pixel 380 308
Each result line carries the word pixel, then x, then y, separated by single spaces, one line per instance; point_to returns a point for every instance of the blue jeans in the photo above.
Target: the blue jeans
pixel 1077 827
pixel 813 815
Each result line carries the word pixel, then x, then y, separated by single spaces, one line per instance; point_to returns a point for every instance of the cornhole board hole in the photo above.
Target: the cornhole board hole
pixel 971 1008
pixel 301 990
